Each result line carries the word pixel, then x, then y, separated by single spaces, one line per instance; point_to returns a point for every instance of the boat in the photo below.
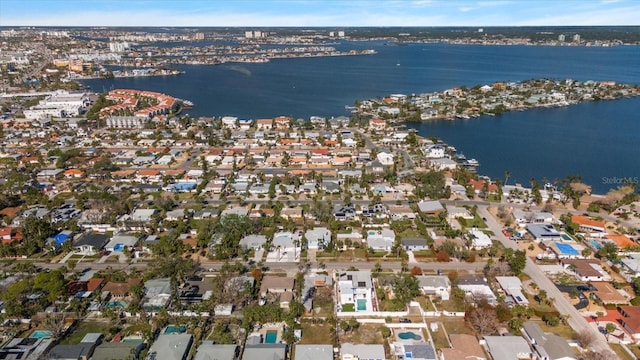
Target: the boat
pixel 472 162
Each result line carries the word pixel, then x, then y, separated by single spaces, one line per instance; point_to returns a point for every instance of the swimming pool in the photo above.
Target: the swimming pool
pixel 566 249
pixel 566 237
pixel 41 334
pixel 271 337
pixel 596 244
pixel 371 232
pixel 116 304
pixel 362 304
pixel 172 329
pixel 409 336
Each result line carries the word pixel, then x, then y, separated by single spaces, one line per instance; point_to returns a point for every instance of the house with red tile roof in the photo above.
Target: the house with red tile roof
pixel 587 224
pixel 478 186
pixel 630 320
pixel 9 235
pixel 377 124
pixel 73 174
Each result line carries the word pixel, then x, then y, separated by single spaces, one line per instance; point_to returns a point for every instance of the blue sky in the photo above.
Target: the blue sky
pixel 318 13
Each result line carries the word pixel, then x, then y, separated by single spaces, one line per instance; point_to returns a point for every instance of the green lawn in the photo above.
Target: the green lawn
pixel 83 329
pixel 476 222
pixel 565 331
pixel 348 308
pixel 456 326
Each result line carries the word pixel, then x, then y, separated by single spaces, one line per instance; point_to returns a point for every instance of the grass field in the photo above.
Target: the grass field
pixel 316 333
pixel 622 354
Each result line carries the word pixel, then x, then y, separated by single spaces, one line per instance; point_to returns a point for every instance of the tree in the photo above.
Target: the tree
pixel 551 319
pixel 54 322
pixel 610 327
pixel 542 296
pixel 483 320
pixel 585 337
pixel 405 288
pixel 385 331
pixel 507 176
pixel 518 262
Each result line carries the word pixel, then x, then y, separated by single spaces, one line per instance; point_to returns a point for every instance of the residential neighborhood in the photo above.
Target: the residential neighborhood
pixel 171 237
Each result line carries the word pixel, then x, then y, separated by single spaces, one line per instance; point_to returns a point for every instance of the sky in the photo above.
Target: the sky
pixel 316 13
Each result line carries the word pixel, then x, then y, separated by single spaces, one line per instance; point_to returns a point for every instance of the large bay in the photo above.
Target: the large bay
pixel 594 140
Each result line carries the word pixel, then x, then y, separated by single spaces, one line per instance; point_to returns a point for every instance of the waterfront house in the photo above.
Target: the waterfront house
pixel 587 225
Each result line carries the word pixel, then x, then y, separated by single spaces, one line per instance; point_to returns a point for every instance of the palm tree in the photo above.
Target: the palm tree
pixel 507 176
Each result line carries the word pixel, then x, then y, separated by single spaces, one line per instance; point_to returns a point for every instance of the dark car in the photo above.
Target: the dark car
pixel 405 320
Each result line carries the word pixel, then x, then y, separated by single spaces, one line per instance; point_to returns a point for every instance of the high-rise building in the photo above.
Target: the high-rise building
pixel 561 37
pixel 248 34
pixel 340 33
pixel 576 38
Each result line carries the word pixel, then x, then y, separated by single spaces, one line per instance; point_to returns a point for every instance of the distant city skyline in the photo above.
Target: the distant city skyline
pixel 316 13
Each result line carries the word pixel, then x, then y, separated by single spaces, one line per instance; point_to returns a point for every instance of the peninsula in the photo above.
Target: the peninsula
pixel 464 103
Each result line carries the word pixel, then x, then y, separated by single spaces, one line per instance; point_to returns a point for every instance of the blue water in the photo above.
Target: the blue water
pixel 594 140
pixel 41 334
pixel 566 249
pixel 271 337
pixel 362 304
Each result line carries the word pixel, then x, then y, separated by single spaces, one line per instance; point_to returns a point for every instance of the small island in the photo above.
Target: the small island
pixel 467 102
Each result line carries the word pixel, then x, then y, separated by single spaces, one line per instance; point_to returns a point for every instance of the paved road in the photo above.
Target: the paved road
pixel 575 320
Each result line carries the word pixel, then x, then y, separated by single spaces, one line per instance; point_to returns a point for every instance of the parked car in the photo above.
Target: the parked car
pixel 405 320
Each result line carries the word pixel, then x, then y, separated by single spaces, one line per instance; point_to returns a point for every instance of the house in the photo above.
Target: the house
pixel 443 164
pixel 292 213
pixel 398 212
pixel 543 232
pixel 9 234
pixel 507 347
pixel 312 282
pixel 355 288
pixel 547 346
pixel 120 242
pixel 512 286
pixel 479 240
pixel 523 218
pixel 264 124
pixel 317 238
pixel 120 290
pixel 587 225
pixel 89 244
pixel 454 212
pixel 438 285
pixel 350 351
pixel 607 294
pixel 385 158
pixel 377 124
pixel 265 351
pixel 430 207
pixel 171 347
pixel 414 244
pixel 631 320
pixel 118 350
pixel 276 285
pixel 73 174
pixel 157 293
pixel 25 348
pixel 477 287
pixel 623 242
pixel 313 352
pixel 210 351
pixel 381 239
pixel 253 241
pixel 463 347
pixel 586 269
pixel 82 351
pixel 414 351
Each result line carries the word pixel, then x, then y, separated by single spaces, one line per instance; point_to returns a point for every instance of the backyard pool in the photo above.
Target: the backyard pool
pixel 566 249
pixel 565 237
pixel 174 329
pixel 116 304
pixel 41 334
pixel 409 336
pixel 596 244
pixel 271 337
pixel 362 304
pixel 372 232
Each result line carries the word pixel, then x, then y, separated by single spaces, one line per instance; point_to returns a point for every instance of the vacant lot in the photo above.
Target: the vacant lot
pixel 365 334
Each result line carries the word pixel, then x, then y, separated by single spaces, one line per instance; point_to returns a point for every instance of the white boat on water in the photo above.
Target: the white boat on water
pixel 472 162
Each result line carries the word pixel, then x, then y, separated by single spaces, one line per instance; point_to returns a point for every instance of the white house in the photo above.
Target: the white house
pixel 317 238
pixel 438 285
pixel 479 240
pixel 355 288
pixel 381 239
